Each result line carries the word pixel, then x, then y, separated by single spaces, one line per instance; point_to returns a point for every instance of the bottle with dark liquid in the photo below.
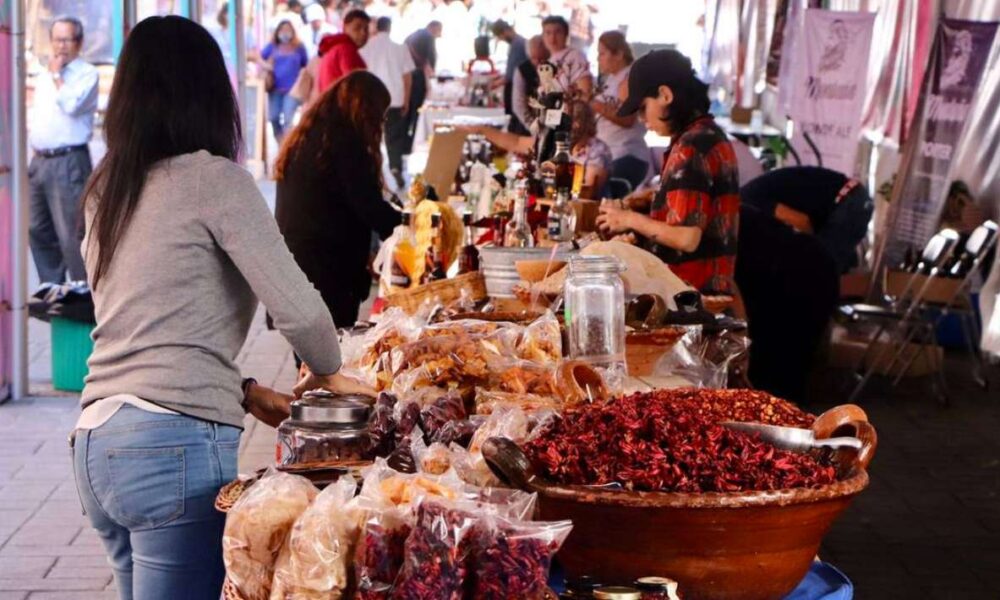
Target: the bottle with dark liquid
pixel 563 164
pixel 468 262
pixel 434 269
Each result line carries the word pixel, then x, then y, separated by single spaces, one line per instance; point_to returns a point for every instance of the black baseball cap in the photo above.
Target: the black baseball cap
pixel 656 68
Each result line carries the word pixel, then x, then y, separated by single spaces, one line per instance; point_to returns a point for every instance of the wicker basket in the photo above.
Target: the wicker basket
pixel 445 290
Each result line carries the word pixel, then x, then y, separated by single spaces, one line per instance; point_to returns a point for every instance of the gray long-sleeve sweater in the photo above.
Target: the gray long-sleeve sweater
pixel 174 308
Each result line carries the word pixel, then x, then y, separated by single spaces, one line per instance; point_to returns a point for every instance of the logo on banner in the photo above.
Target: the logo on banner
pixel 957 62
pixel 835 48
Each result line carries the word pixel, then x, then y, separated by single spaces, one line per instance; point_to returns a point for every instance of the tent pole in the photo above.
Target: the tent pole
pixel 19 197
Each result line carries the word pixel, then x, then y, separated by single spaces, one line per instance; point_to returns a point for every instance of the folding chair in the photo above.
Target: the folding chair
pixel 902 313
pixel 976 248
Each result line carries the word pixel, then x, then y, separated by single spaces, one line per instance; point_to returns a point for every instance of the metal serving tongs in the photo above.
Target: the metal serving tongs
pixel 793 438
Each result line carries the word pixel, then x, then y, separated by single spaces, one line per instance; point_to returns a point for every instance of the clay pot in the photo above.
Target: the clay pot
pixel 732 546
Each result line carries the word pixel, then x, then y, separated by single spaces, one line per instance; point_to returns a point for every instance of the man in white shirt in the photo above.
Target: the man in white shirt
pixel 317 27
pixel 574 70
pixel 393 64
pixel 61 125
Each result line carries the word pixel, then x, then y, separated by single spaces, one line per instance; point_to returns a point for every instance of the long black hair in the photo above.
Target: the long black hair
pixel 690 102
pixel 171 95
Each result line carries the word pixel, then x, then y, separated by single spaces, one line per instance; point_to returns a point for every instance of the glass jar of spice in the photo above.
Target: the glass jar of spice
pixel 657 588
pixel 325 430
pixel 594 297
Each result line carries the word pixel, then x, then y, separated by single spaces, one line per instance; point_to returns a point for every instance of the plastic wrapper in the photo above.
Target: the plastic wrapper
pixel 470 464
pixel 541 340
pixel 707 359
pixel 521 377
pixel 257 526
pixel 313 564
pixel 512 557
pixel 434 459
pixel 402 458
pixel 441 411
pixel 387 498
pixel 382 425
pixel 447 362
pixel 458 432
pixel 505 502
pixel 488 401
pixel 435 565
pixel 363 351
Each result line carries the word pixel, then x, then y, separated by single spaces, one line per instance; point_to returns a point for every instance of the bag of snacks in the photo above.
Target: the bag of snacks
pixel 488 401
pixel 520 377
pixel 458 432
pixel 433 460
pixel 313 564
pixel 541 340
pixel 434 564
pixel 362 351
pixel 512 557
pixel 257 526
pixel 505 502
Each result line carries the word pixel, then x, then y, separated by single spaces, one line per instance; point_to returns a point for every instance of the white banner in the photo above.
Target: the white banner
pixel 828 86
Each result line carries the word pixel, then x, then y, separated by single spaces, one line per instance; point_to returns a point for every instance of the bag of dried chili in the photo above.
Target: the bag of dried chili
pixel 435 565
pixel 511 558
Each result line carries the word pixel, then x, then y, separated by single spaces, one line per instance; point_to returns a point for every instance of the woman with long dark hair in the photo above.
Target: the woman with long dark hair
pixel 179 246
pixel 330 191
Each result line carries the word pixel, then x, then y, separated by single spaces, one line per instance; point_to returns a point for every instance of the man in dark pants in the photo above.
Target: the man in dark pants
pixel 423 48
pixel 517 53
pixel 62 122
pixel 393 65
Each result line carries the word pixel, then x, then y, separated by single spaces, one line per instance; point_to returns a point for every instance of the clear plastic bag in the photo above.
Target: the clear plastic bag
pixel 446 362
pixel 363 352
pixel 434 564
pixel 313 564
pixel 512 557
pixel 511 423
pixel 541 340
pixel 488 401
pixel 707 359
pixel 521 377
pixel 387 497
pixel 257 526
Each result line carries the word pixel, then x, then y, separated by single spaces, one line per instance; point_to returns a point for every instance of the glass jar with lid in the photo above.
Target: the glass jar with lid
pixel 594 299
pixel 325 430
pixel 657 588
pixel 617 593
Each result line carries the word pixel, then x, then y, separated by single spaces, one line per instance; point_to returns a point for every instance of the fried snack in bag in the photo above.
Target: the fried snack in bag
pixel 256 529
pixel 313 564
pixel 487 401
pixel 541 340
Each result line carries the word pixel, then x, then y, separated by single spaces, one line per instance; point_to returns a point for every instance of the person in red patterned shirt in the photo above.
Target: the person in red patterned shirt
pixel 693 219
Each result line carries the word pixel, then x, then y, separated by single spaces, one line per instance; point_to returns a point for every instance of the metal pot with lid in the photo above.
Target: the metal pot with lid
pixel 325 430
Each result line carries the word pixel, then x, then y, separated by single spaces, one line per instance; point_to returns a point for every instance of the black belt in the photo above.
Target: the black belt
pixel 63 151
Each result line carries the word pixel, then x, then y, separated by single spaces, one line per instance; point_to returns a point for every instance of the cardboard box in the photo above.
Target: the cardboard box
pixel 940 291
pixel 846 350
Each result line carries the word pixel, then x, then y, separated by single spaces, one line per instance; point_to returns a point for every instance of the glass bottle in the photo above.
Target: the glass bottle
pixel 594 297
pixel 469 260
pixel 562 218
pixel 434 269
pixel 402 254
pixel 518 232
pixel 563 164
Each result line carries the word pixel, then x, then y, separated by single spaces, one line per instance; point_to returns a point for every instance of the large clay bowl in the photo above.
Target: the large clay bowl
pixel 734 546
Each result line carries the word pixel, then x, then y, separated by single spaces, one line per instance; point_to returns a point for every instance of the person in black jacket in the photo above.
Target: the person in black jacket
pixel 330 191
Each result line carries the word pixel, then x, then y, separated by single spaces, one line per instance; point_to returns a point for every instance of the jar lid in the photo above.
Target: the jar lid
pixel 655 584
pixel 617 593
pixel 321 406
pixel 596 265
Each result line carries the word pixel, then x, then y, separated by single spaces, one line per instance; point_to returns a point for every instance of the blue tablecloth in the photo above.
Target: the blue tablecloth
pixel 822 582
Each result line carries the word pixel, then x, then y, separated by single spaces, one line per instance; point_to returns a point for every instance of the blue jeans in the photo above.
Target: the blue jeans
pixel 148 483
pixel 281 112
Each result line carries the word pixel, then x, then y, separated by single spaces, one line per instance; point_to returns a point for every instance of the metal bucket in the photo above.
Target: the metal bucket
pixel 500 272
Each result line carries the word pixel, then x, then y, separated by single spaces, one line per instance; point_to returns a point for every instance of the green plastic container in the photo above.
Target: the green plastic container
pixel 71 347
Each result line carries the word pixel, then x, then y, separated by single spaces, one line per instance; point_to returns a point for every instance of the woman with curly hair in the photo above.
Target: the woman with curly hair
pixel 330 191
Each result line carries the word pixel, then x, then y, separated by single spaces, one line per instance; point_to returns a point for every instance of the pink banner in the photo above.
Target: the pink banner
pixel 6 212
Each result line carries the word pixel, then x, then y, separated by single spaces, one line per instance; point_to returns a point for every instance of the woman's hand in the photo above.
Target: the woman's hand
pixel 639 200
pixel 267 405
pixel 614 220
pixel 333 383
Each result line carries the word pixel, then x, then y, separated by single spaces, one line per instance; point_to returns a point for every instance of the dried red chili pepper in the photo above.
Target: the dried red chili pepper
pixel 672 442
pixel 512 558
pixel 435 554
pixel 379 558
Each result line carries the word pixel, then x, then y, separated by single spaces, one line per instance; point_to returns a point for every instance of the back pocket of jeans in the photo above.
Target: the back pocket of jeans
pixel 147 485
